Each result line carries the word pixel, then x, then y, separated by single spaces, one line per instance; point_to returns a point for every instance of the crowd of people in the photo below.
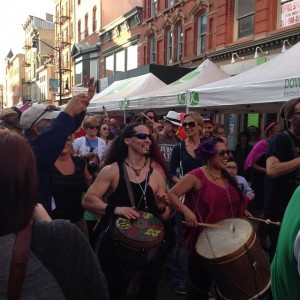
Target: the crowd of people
pixel 102 205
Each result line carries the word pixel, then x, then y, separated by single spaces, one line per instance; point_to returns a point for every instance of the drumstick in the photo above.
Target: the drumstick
pixel 206 225
pixel 97 223
pixel 267 221
pixel 146 117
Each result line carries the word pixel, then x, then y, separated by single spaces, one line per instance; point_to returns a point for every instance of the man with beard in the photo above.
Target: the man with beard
pixel 131 155
pixel 167 139
pixel 283 169
pixel 207 128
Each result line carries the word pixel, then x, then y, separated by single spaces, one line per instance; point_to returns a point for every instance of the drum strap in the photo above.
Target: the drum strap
pixel 129 189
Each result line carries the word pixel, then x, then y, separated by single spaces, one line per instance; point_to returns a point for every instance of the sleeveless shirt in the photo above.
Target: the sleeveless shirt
pixel 211 204
pixel 120 196
pixel 67 191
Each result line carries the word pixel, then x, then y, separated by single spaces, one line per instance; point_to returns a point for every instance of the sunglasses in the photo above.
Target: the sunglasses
pixel 223 152
pixel 150 117
pixel 190 124
pixel 49 108
pixel 142 136
pixel 93 127
pixel 105 128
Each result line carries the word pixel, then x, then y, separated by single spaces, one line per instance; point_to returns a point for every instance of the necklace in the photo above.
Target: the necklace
pixel 212 175
pixel 137 171
pixel 143 190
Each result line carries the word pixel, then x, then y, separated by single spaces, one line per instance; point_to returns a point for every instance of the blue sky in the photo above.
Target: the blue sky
pixel 13 13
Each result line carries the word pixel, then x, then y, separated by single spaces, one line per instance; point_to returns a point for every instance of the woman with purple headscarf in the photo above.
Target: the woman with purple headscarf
pixel 211 195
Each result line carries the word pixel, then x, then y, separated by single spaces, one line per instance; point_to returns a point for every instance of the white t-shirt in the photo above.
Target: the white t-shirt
pixel 81 146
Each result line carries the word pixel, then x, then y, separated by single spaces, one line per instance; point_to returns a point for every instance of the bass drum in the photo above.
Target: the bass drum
pixel 235 260
pixel 137 241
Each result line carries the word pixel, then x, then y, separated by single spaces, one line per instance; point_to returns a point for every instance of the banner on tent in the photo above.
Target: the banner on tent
pixel 123 104
pixel 292 87
pixel 153 101
pixel 194 99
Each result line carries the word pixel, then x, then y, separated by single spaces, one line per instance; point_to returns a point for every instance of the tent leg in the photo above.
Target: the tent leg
pixel 124 116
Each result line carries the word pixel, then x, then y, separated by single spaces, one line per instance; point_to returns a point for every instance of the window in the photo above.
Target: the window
pixel 132 54
pixel 86 25
pixel 109 65
pixel 179 42
pixel 245 17
pixel 86 65
pixel 94 65
pixel 152 7
pixel 152 50
pixel 79 30
pixel 169 46
pixel 94 26
pixel 289 13
pixel 170 3
pixel 201 33
pixel 121 61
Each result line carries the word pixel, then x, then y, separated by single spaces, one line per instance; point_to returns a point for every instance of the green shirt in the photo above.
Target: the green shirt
pixel 285 279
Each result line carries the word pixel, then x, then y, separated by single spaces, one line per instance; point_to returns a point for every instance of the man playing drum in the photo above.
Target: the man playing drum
pixel 130 183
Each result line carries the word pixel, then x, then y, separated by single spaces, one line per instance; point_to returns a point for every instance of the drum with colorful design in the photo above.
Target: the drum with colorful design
pixel 137 241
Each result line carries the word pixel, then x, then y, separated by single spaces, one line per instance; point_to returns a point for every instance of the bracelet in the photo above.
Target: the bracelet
pixel 161 211
pixel 110 209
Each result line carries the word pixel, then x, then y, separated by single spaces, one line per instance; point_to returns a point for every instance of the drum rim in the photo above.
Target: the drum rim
pixel 232 255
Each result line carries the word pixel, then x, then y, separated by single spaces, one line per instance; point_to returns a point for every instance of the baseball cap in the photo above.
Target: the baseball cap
pixel 38 112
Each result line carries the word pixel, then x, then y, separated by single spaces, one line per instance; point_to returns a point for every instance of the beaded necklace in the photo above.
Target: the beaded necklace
pixel 137 171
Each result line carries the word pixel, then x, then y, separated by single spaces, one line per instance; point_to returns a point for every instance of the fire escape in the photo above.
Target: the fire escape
pixel 62 43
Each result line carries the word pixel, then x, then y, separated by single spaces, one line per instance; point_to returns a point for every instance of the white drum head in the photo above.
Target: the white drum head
pixel 230 236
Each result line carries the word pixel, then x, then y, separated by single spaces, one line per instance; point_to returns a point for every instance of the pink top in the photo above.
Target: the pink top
pixel 256 153
pixel 211 204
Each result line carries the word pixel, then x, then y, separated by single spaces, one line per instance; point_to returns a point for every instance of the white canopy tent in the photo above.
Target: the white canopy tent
pixel 263 88
pixel 174 94
pixel 114 96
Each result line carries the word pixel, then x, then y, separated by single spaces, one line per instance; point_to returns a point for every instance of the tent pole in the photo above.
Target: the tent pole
pixel 124 116
pixel 187 100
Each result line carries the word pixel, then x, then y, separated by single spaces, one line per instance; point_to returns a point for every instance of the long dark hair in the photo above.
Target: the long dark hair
pixel 18 182
pixel 118 150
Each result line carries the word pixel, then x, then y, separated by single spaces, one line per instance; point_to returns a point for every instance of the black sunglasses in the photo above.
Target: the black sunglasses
pixel 190 124
pixel 142 136
pixel 93 127
pixel 223 152
pixel 49 108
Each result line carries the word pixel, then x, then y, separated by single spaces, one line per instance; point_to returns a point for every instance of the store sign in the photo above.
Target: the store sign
pixel 290 13
pixel 53 85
